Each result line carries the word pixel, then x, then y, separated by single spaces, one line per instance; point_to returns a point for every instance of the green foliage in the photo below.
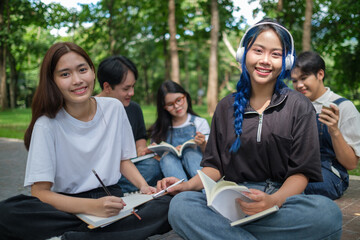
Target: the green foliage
pixel 139 30
pixel 27 39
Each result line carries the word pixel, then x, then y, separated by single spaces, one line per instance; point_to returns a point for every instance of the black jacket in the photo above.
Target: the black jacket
pixel 274 145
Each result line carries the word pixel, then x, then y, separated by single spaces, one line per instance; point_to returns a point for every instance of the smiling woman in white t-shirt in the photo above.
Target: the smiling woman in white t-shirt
pixel 70 134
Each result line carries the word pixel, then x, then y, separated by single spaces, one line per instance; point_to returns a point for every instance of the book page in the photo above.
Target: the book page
pixel 131 201
pixel 140 158
pixel 208 184
pixel 225 185
pixel 225 204
pixel 163 147
pixel 189 143
pixel 255 217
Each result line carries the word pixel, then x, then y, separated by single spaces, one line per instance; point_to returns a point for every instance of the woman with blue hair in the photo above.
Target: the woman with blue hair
pixel 263 136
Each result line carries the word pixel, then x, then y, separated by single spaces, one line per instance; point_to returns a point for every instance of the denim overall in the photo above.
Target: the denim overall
pixel 186 166
pixel 335 176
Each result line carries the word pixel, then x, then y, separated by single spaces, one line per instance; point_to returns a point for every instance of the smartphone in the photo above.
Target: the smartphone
pixel 326 105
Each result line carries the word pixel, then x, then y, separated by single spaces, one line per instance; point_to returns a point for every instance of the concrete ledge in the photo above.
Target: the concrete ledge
pixel 353 177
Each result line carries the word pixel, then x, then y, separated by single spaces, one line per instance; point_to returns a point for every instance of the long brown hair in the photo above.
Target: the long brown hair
pixel 48 99
pixel 158 131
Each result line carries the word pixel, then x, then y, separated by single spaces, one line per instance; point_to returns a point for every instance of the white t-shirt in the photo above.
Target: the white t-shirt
pixel 349 118
pixel 201 125
pixel 64 150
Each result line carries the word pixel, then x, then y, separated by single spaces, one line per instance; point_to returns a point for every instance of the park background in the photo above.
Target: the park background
pixel 192 42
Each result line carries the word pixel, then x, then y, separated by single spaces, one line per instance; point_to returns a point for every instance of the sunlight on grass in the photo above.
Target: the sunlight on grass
pixel 14 122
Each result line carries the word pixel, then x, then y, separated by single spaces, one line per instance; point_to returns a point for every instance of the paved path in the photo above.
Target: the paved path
pixel 350 207
pixel 12 169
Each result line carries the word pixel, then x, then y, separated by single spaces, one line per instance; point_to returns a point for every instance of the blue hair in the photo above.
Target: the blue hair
pixel 243 87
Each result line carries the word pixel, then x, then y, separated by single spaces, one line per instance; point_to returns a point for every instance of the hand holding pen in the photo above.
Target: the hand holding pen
pixel 200 139
pixel 167 185
pixel 107 206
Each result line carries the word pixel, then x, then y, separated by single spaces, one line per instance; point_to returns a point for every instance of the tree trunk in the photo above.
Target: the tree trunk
pixel 110 7
pixel 306 38
pixel 13 72
pixel 228 45
pixel 212 92
pixel 200 92
pixel 280 6
pixel 225 83
pixel 146 83
pixel 3 89
pixel 13 81
pixel 279 9
pixel 175 71
pixel 166 58
pixel 187 73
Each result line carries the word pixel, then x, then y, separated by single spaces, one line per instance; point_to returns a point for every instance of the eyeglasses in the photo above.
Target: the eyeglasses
pixel 179 101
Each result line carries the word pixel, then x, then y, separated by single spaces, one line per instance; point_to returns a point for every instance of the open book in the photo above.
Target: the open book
pixel 163 147
pixel 132 201
pixel 221 197
pixel 140 158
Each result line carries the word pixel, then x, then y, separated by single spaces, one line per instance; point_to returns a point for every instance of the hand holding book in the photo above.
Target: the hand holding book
pixel 260 202
pixel 224 197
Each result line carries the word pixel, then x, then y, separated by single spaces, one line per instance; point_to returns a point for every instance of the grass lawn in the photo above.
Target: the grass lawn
pixel 14 122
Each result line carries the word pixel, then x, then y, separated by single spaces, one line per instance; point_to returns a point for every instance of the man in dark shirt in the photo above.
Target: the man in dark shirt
pixel 117 76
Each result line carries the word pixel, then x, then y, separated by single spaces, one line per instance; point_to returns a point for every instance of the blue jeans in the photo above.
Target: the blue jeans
pixel 300 217
pixel 182 168
pixel 149 169
pixel 332 186
pixel 186 166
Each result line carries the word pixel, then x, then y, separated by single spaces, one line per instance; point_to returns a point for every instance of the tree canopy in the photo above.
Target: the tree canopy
pixel 140 31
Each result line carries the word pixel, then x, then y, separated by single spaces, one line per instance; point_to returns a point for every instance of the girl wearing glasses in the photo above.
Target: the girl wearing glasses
pixel 177 123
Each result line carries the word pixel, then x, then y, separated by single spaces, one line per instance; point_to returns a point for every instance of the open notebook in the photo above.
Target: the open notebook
pixel 132 201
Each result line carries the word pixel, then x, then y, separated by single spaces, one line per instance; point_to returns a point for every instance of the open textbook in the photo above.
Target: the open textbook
pixel 140 158
pixel 221 197
pixel 163 147
pixel 132 201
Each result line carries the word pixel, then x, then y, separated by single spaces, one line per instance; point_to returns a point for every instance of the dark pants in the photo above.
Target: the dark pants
pixel 26 217
pixel 332 186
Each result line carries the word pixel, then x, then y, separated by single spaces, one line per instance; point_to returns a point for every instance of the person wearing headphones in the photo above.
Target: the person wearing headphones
pixel 117 76
pixel 264 137
pixel 338 125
